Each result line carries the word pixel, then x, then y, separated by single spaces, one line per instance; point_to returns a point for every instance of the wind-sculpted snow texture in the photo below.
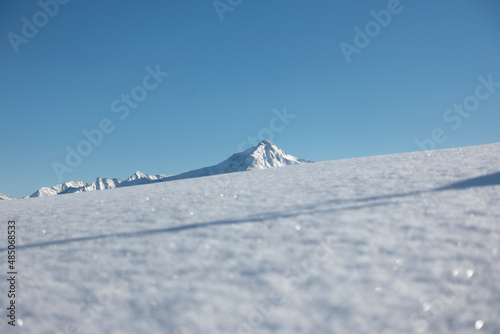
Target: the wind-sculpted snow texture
pixel 405 243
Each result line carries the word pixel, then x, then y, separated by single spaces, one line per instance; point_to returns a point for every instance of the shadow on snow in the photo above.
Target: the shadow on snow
pixel 481 181
pixel 260 218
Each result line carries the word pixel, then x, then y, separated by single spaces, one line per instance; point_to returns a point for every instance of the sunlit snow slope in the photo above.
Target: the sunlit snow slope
pixel 405 243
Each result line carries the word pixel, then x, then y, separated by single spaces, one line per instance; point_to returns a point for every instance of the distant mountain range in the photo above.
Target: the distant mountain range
pixel 98 184
pixel 5 197
pixel 264 155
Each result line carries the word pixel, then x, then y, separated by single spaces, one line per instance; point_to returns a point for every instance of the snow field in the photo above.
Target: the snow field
pixel 368 245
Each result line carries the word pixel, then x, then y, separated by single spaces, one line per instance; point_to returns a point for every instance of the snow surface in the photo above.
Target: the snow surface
pixel 404 243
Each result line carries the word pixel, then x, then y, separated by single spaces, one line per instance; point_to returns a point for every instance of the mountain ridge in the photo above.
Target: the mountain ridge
pixel 264 155
pixel 100 183
pixel 6 197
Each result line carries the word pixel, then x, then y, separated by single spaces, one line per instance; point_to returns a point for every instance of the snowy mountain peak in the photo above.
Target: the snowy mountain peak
pixel 4 197
pixel 264 155
pixel 140 178
pixel 266 143
pixel 64 187
pixel 67 187
pixel 268 155
pixel 99 183
pixel 136 176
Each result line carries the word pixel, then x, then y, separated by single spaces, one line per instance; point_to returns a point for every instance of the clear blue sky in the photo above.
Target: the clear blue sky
pixel 226 77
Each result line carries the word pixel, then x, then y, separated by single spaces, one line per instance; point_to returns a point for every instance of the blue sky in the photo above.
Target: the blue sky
pixel 228 78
